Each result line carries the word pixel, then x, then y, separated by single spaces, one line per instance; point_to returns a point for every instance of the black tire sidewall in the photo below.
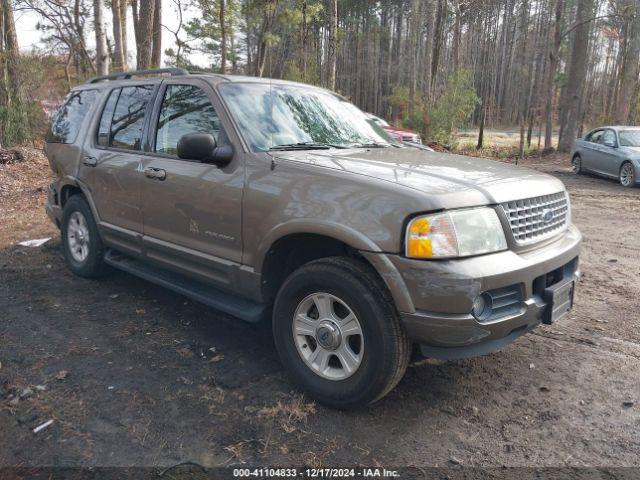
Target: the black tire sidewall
pixel 576 159
pixel 373 313
pixel 93 265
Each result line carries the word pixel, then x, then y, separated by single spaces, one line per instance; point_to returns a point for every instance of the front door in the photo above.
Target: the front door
pixel 591 149
pixel 191 210
pixel 111 166
pixel 610 158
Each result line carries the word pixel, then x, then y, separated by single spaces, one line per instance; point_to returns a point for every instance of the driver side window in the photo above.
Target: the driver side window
pixel 608 138
pixel 185 109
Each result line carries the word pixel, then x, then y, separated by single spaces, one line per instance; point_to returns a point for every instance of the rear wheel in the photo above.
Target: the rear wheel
pixel 627 175
pixel 576 164
pixel 81 243
pixel 338 334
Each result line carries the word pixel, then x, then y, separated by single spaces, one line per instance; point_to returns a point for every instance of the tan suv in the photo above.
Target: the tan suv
pixel 274 200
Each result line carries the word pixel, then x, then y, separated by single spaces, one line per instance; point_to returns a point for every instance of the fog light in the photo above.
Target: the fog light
pixel 482 306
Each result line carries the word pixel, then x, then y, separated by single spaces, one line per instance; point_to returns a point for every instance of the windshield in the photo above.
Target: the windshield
pixel 379 121
pixel 629 138
pixel 283 117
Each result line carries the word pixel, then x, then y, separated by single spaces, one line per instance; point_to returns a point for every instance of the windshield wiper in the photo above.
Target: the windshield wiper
pixel 372 145
pixel 306 146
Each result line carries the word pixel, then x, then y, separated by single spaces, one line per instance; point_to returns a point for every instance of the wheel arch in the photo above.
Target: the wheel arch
pixel 72 186
pixel 291 251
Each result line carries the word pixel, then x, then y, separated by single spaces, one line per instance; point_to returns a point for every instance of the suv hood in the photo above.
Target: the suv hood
pixel 480 181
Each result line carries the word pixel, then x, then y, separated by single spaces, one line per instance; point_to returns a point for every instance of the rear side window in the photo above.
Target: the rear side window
pixel 123 117
pixel 69 119
pixel 185 109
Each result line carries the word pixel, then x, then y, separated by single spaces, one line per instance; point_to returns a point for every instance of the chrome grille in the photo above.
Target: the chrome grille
pixel 535 219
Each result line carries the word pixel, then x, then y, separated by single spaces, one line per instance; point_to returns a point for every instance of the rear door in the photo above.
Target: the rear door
pixel 111 165
pixel 193 210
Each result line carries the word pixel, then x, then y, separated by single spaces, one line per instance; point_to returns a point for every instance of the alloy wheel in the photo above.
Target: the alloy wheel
pixel 328 336
pixel 78 237
pixel 627 175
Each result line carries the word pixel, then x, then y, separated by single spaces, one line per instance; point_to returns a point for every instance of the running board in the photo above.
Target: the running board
pixel 239 307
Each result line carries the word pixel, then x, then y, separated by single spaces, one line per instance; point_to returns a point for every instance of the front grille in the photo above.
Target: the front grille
pixel 535 219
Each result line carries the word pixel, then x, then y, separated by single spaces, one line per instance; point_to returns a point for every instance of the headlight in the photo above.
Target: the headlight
pixel 458 233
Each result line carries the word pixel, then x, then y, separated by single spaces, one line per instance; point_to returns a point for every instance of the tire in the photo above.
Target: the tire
pixel 627 175
pixel 380 350
pixel 81 243
pixel 576 164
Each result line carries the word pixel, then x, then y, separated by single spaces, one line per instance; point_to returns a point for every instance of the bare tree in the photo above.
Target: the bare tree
pixel 118 44
pixel 144 33
pixel 223 38
pixel 102 57
pixel 156 53
pixel 629 73
pixel 577 72
pixel 332 43
pixel 9 51
pixel 554 50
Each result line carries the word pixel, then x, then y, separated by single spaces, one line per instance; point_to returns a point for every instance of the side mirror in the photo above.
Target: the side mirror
pixel 204 148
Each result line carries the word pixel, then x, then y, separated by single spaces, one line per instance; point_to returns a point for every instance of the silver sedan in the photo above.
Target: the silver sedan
pixel 611 152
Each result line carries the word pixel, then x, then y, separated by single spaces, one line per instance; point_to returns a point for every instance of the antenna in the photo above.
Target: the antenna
pixel 270 94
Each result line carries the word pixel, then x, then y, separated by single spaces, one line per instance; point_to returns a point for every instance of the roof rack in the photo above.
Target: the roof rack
pixel 134 73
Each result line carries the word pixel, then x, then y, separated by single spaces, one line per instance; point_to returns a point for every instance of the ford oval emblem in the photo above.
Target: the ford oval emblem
pixel 547 216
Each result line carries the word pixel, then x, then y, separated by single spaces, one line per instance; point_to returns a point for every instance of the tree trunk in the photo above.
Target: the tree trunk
pixel 577 73
pixel 144 33
pixel 223 39
pixel 429 12
pixel 118 44
pixel 629 74
pixel 11 52
pixel 481 131
pixel 156 53
pixel 441 15
pixel 267 24
pixel 102 57
pixel 332 44
pixel 123 31
pixel 554 51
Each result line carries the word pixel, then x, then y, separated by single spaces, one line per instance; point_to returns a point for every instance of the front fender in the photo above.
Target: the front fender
pixel 343 233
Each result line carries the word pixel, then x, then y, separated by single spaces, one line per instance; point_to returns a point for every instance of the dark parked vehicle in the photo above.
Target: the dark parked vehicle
pixel 278 201
pixel 612 152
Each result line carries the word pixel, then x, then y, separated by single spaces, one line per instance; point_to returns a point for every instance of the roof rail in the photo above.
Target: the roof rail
pixel 134 73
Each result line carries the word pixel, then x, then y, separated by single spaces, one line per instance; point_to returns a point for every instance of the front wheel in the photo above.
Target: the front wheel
pixel 338 334
pixel 627 175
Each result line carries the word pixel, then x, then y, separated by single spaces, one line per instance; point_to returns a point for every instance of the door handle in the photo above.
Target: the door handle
pixel 90 161
pixel 157 173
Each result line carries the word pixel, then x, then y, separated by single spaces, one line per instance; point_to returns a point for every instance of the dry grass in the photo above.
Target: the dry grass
pixel 289 414
pixel 23 186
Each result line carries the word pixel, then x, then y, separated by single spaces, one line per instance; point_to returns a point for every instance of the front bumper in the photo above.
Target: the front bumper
pixel 442 295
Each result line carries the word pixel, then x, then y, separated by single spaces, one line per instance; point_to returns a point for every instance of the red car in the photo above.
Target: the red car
pixel 397 133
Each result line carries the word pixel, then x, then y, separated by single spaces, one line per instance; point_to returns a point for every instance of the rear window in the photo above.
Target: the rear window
pixel 123 117
pixel 69 119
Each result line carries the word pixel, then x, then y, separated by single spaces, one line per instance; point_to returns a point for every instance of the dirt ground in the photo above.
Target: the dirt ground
pixel 134 375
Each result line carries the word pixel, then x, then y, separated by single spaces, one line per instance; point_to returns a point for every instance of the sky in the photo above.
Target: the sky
pixel 29 37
